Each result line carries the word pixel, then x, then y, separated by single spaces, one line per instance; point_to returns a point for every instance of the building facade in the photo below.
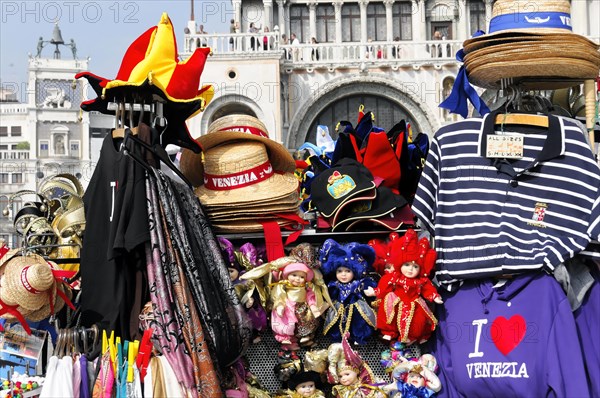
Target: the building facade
pixel 395 57
pixel 48 134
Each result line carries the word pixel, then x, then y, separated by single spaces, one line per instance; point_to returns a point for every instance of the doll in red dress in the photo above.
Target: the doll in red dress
pixel 403 313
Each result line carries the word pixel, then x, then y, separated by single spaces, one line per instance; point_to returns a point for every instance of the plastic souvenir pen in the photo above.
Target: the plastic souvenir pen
pixel 119 358
pixel 104 342
pixel 133 349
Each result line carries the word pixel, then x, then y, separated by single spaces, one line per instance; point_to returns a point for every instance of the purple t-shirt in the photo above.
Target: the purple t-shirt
pixel 587 319
pixel 514 340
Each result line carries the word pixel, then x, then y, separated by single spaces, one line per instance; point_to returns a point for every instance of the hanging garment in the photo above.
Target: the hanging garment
pixel 170 380
pixel 515 338
pixel 59 378
pixel 153 382
pixel 588 324
pixel 104 384
pixel 166 331
pixel 224 318
pixel 84 391
pixel 205 374
pixel 492 216
pixel 77 376
pixel 116 229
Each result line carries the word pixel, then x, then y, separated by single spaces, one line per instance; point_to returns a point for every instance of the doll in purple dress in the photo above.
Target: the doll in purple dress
pixel 239 262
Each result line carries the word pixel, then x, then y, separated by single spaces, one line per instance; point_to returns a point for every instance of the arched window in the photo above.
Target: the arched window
pixel 447 85
pixel 386 112
pixel 231 108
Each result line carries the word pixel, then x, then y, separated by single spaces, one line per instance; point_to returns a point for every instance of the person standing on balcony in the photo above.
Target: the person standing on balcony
pixel 369 53
pixel 266 39
pixel 315 51
pixel 437 48
pixel 285 42
pixel 396 48
pixel 295 47
pixel 231 32
pixel 202 32
pixel 253 31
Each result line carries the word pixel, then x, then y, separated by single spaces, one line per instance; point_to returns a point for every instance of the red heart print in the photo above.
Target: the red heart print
pixel 508 333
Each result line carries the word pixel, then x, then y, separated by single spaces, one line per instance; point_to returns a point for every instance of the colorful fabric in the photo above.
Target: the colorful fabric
pixel 166 331
pixel 205 374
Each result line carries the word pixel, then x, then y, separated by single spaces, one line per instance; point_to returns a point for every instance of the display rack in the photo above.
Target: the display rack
pixel 262 356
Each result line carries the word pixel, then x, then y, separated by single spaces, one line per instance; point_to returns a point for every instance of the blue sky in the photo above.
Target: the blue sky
pixel 102 29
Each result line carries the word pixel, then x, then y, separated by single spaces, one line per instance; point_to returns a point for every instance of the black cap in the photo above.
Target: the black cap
pixel 384 204
pixel 303 377
pixel 333 187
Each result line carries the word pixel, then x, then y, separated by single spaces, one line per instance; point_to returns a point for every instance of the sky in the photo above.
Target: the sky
pixel 102 30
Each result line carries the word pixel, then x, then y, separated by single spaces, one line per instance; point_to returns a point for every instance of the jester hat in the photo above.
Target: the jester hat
pixel 342 357
pixel 383 252
pixel 151 71
pixel 409 248
pixel 355 256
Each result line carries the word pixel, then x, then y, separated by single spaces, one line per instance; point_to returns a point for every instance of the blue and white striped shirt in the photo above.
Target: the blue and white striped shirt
pixel 492 217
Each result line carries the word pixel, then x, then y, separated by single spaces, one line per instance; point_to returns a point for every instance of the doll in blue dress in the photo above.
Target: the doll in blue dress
pixel 346 267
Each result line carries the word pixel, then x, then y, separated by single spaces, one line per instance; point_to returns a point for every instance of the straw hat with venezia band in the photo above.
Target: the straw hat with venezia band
pixel 242 172
pixel 231 128
pixel 29 284
pixel 530 40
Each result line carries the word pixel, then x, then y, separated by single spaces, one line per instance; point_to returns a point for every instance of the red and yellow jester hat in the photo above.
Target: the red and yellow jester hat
pixel 409 248
pixel 151 68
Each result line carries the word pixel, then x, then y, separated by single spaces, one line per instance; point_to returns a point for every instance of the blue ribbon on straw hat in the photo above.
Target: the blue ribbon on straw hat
pixel 463 91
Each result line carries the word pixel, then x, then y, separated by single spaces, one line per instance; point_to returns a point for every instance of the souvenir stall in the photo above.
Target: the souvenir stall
pixel 372 263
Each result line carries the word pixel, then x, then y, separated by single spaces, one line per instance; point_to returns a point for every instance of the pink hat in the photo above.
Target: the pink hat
pixel 293 267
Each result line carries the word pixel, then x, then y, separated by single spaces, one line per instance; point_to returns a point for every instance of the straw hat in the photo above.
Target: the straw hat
pixel 26 282
pixel 46 309
pixel 36 275
pixel 230 128
pixel 242 172
pixel 527 42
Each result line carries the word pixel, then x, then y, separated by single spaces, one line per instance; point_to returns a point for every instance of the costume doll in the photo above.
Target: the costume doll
pixel 293 301
pixel 352 376
pixel 346 268
pixel 295 310
pixel 247 290
pixel 414 379
pixel 403 313
pixel 303 385
pixel 383 253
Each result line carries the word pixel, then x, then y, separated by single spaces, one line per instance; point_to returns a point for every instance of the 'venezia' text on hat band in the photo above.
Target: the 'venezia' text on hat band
pixel 247 129
pixel 26 283
pixel 242 179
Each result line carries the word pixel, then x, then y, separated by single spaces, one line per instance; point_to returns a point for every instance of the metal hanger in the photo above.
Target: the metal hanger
pixel 515 104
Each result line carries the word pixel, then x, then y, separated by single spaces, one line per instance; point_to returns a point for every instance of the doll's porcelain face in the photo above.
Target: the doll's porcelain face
pixel 233 273
pixel 347 377
pixel 306 389
pixel 410 270
pixel 344 274
pixel 297 278
pixel 388 268
pixel 415 379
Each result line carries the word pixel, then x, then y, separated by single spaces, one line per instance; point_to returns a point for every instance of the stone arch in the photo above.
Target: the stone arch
pixel 229 104
pixel 381 86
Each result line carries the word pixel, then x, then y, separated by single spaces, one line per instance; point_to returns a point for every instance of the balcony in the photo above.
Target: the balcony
pixel 14 155
pixel 325 55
